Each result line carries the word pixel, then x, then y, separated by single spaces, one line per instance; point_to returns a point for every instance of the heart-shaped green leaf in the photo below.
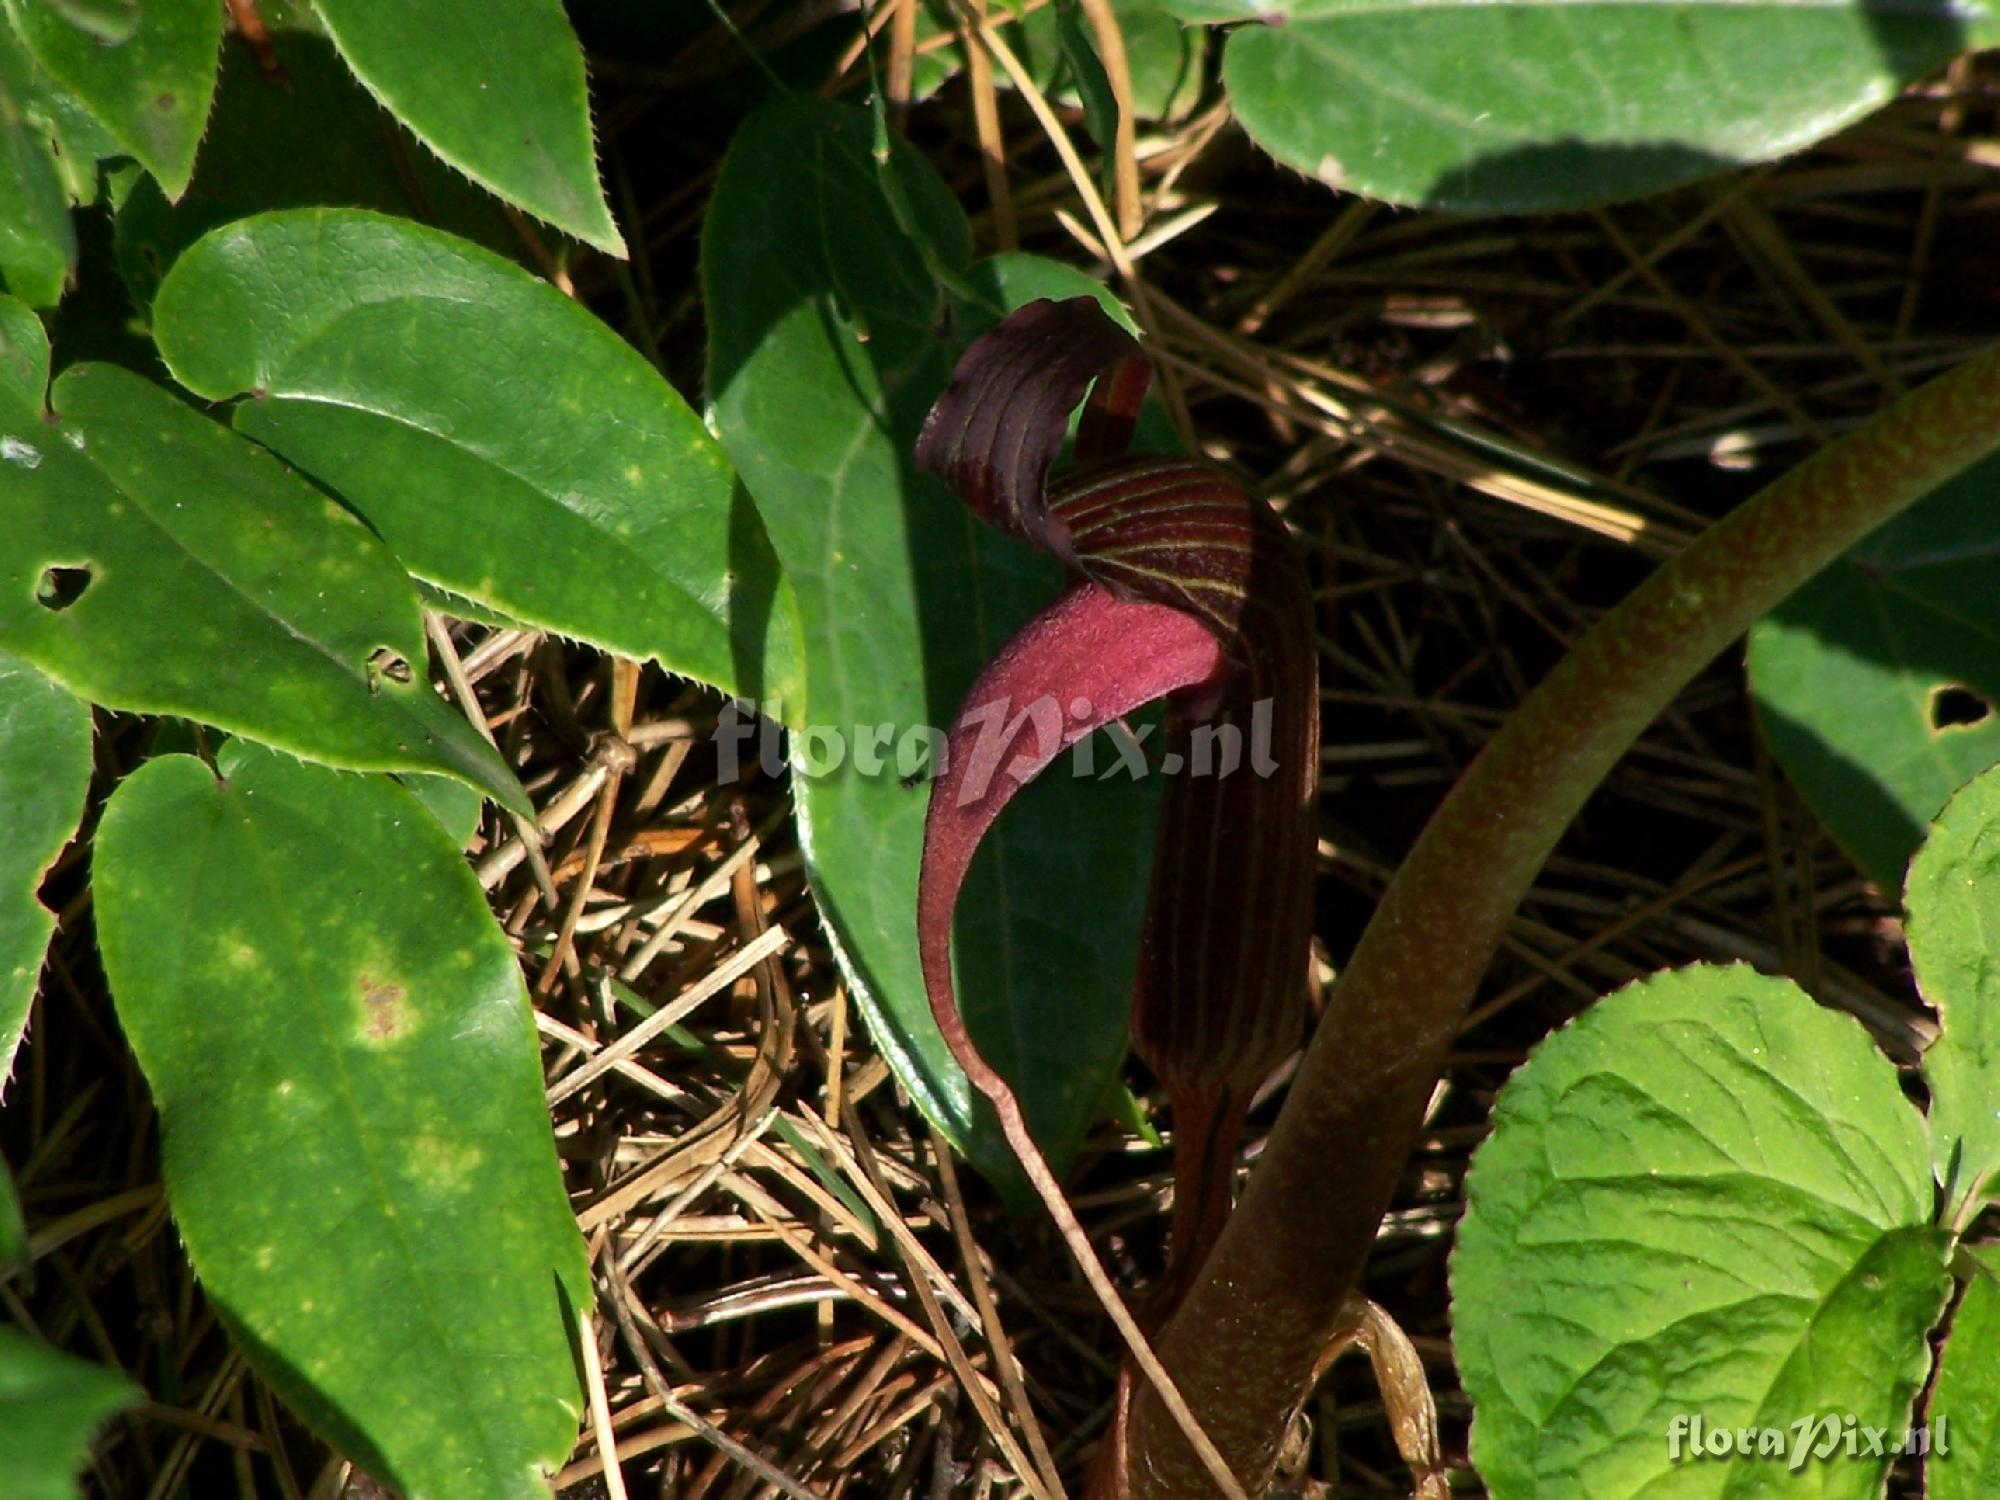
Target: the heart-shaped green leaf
pixel 1875 683
pixel 1474 107
pixel 316 137
pixel 829 340
pixel 1954 933
pixel 496 88
pixel 154 561
pixel 1963 1426
pixel 50 1404
pixel 151 91
pixel 507 445
pixel 1705 1198
pixel 354 1138
pixel 44 773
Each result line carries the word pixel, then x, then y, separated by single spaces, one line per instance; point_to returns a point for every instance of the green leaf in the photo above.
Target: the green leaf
pixel 1875 683
pixel 315 138
pixel 1954 932
pixel 507 445
pixel 111 22
pixel 1163 56
pixel 494 87
pixel 13 1228
pixel 1477 107
pixel 50 1404
pixel 1705 1197
pixel 37 242
pixel 1092 85
pixel 454 804
pixel 151 91
pixel 76 142
pixel 1964 1415
pixel 156 562
pixel 354 1138
pixel 44 773
pixel 829 340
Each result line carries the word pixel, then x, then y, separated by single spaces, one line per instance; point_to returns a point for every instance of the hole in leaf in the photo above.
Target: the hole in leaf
pixel 382 662
pixel 60 587
pixel 1957 707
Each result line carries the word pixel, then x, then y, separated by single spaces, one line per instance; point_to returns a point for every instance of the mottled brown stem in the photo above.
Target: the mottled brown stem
pixel 1243 1344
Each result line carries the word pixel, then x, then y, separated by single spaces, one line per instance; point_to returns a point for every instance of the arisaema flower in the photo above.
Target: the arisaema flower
pixel 1184 587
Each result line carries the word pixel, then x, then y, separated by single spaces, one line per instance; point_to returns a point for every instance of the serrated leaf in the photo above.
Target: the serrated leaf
pixel 829 340
pixel 507 445
pixel 314 137
pixel 156 562
pixel 1963 1423
pixel 50 1404
pixel 1875 683
pixel 1475 107
pixel 1954 932
pixel 150 91
pixel 1705 1197
pixel 354 1138
pixel 44 773
pixel 494 87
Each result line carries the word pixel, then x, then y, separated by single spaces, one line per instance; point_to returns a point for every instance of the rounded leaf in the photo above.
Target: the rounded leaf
pixel 1475 107
pixel 508 446
pixel 1705 1198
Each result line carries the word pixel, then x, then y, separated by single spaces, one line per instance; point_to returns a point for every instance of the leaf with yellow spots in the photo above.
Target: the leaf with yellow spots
pixel 353 1133
pixel 509 447
pixel 154 561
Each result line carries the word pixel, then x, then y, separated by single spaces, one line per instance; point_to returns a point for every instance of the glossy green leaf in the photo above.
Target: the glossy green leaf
pixel 507 445
pixel 354 1138
pixel 454 804
pixel 1473 107
pixel 150 91
pixel 829 340
pixel 37 242
pixel 154 561
pixel 77 142
pixel 1705 1197
pixel 1954 933
pixel 494 87
pixel 316 137
pixel 44 773
pixel 1964 1417
pixel 50 1404
pixel 1875 683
